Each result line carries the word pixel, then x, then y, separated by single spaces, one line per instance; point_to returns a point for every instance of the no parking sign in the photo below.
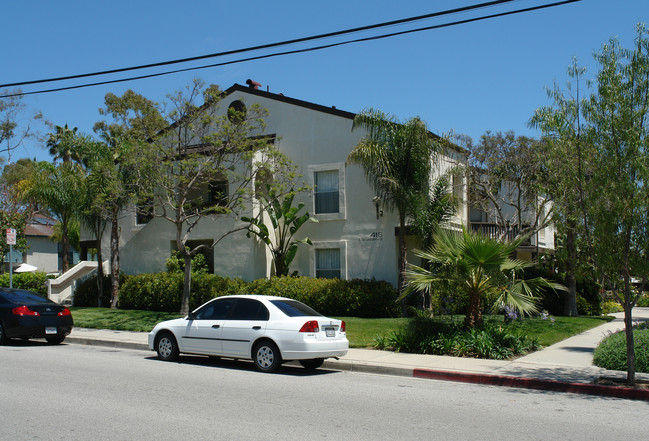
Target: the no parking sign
pixel 11 236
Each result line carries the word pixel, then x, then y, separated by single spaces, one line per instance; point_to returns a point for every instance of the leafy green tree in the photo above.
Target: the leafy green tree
pixel 610 146
pixel 482 267
pixel 116 166
pixel 565 149
pixel 506 175
pixel 205 164
pixel 396 158
pixel 14 129
pixel 285 221
pixel 16 220
pixel 618 113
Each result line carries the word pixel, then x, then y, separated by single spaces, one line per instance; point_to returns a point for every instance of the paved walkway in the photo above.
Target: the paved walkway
pixel 565 366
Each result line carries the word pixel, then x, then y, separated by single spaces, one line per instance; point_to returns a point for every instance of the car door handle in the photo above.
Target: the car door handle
pixel 216 326
pixel 256 328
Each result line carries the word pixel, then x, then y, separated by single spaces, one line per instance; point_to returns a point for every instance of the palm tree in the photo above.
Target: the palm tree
pixel 480 266
pixel 396 158
pixel 62 144
pixel 59 189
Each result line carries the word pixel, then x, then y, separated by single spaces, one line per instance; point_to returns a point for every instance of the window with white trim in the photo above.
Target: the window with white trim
pixel 327 263
pixel 326 192
pixel 328 182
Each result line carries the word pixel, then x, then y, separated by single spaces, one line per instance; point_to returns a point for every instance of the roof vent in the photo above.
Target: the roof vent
pixel 253 84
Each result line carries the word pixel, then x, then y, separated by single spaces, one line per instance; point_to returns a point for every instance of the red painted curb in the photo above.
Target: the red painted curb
pixel 534 383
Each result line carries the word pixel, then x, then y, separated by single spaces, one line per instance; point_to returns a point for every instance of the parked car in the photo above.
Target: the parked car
pixel 268 330
pixel 24 314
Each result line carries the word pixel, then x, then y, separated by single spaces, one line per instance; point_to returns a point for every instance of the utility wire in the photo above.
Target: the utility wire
pixel 297 51
pixel 264 46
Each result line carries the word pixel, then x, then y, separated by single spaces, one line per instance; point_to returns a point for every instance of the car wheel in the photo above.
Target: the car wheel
pixel 166 347
pixel 313 363
pixel 55 340
pixel 3 337
pixel 266 356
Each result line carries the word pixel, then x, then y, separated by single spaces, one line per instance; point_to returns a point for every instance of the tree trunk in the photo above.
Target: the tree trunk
pixel 628 307
pixel 100 275
pixel 402 282
pixel 65 247
pixel 630 347
pixel 187 283
pixel 474 314
pixel 114 260
pixel 570 305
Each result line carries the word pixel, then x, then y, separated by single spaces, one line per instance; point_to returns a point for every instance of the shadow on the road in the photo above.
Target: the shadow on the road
pixel 246 365
pixel 19 342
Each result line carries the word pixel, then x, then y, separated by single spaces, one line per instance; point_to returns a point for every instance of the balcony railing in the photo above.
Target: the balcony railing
pixel 498 232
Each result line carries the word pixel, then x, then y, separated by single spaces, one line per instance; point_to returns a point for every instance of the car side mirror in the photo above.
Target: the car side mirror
pixel 191 316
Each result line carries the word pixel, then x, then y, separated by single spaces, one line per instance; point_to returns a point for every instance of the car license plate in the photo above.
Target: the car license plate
pixel 331 332
pixel 50 330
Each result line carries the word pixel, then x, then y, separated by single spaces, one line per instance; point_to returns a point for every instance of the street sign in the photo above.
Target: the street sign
pixel 11 236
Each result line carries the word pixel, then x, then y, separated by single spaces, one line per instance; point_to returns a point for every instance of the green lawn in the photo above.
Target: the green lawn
pixel 360 332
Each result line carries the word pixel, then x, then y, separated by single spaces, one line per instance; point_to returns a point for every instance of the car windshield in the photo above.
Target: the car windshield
pixel 293 308
pixel 21 297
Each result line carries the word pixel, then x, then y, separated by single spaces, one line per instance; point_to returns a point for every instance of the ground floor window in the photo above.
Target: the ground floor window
pixel 327 263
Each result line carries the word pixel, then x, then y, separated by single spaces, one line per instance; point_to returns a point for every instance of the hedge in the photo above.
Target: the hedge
pixel 332 297
pixel 36 282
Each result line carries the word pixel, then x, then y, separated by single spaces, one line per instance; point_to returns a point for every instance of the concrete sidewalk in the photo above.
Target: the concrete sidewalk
pixel 565 366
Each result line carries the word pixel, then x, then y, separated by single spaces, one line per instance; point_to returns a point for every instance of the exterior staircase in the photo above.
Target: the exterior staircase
pixel 61 289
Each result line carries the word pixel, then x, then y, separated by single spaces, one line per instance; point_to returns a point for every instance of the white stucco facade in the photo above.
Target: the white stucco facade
pixel 352 238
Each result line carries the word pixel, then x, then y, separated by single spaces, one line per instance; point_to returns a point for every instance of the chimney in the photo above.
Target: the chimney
pixel 253 84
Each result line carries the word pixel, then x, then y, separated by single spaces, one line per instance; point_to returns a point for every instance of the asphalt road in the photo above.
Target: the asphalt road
pixel 74 392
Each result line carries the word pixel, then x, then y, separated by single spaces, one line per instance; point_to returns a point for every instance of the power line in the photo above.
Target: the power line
pixel 296 51
pixel 263 46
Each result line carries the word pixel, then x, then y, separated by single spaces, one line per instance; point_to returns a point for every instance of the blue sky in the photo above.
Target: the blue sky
pixel 488 75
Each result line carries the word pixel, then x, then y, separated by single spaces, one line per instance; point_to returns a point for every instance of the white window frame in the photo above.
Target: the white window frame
pixel 321 245
pixel 340 167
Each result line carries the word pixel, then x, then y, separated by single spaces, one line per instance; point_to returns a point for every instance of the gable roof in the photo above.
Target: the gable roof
pixel 279 97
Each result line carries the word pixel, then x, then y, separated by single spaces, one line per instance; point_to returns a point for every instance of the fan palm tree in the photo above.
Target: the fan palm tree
pixel 480 266
pixel 62 144
pixel 396 158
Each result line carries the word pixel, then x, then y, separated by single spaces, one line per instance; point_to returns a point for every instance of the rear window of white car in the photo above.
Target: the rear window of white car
pixel 293 308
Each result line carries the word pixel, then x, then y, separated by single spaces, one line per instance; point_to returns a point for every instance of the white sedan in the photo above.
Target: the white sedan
pixel 269 330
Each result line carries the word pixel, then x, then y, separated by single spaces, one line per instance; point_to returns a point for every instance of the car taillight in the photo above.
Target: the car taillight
pixel 23 310
pixel 343 326
pixel 65 311
pixel 310 326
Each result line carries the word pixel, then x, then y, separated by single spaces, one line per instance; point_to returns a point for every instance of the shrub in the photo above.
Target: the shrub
pixel 611 352
pixel 610 307
pixel 176 263
pixel 429 335
pixel 332 297
pixel 85 293
pixel 36 282
pixel 643 300
pixel 588 297
pixel 152 292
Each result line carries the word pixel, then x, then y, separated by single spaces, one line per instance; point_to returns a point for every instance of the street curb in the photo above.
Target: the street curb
pixel 431 374
pixel 535 383
pixel 107 343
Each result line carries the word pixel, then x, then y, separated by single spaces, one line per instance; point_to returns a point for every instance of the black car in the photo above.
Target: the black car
pixel 24 314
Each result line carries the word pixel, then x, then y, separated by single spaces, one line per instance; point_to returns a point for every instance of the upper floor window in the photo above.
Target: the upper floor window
pixel 326 192
pixel 144 211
